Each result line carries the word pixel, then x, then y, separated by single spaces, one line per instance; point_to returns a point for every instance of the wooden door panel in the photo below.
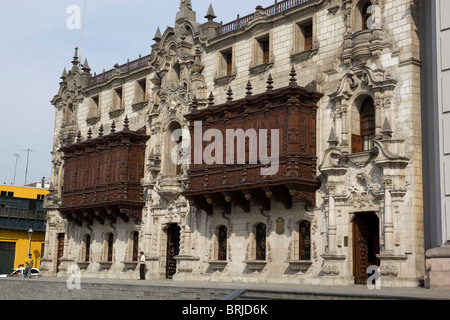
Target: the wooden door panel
pixel 60 250
pixel 366 245
pixel 173 248
pixel 360 251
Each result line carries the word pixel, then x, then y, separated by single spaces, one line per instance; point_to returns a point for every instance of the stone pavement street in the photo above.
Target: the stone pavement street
pixel 112 289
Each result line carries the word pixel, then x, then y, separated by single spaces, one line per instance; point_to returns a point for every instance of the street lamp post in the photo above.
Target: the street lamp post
pixel 30 233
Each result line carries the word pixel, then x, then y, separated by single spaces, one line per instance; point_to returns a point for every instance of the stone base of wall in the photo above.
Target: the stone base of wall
pixel 437 268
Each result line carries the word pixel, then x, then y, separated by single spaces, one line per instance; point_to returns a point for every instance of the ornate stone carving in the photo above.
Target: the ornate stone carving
pixel 389 263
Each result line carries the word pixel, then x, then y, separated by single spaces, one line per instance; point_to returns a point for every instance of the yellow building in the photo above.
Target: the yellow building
pixel 21 210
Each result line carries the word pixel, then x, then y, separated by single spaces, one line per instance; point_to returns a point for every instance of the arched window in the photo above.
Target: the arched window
pixel 135 246
pixel 88 247
pixel 304 232
pixel 367 120
pixel 173 149
pixel 110 247
pixel 222 243
pixel 365 16
pixel 364 141
pixel 260 239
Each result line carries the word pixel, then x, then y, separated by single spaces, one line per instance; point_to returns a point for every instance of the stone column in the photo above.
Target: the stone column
pixel 186 262
pixel 186 234
pixel 46 261
pixel 388 223
pixel 331 225
pixel 148 232
pixel 332 265
pixel 379 114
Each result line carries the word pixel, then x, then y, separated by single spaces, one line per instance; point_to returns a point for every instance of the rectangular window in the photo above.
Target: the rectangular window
pixel 305 36
pixel 225 63
pixel 228 58
pixel 265 46
pixel 117 98
pixel 308 37
pixel 94 107
pixel 95 102
pixel 141 90
pixel 262 50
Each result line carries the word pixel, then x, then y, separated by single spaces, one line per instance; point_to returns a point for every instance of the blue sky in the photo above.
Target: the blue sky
pixel 36 45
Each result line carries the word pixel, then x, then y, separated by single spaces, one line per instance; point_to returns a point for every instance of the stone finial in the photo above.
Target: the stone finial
pixel 79 136
pixel 86 68
pixel 249 88
pixel 210 15
pixel 89 134
pixel 157 36
pixel 113 127
pixel 211 100
pixel 229 94
pixel 269 83
pixel 293 79
pixel 100 131
pixel 64 74
pixel 386 130
pixel 126 124
pixel 194 105
pixel 332 139
pixel 75 60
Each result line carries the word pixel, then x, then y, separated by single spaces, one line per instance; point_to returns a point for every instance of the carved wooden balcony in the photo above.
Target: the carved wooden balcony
pixel 102 177
pixel 290 110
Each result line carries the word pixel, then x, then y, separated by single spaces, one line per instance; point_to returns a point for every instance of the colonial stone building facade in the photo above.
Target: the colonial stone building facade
pixel 339 81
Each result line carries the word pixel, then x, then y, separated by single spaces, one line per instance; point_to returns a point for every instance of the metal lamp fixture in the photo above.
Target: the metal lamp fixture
pixel 30 233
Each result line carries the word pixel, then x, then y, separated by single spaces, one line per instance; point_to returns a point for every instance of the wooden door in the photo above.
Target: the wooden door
pixel 260 241
pixel 88 248
pixel 60 250
pixel 135 246
pixel 110 247
pixel 173 249
pixel 366 245
pixel 222 254
pixel 305 240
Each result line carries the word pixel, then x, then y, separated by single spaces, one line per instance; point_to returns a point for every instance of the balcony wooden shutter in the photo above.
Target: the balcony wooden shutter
pixel 357 143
